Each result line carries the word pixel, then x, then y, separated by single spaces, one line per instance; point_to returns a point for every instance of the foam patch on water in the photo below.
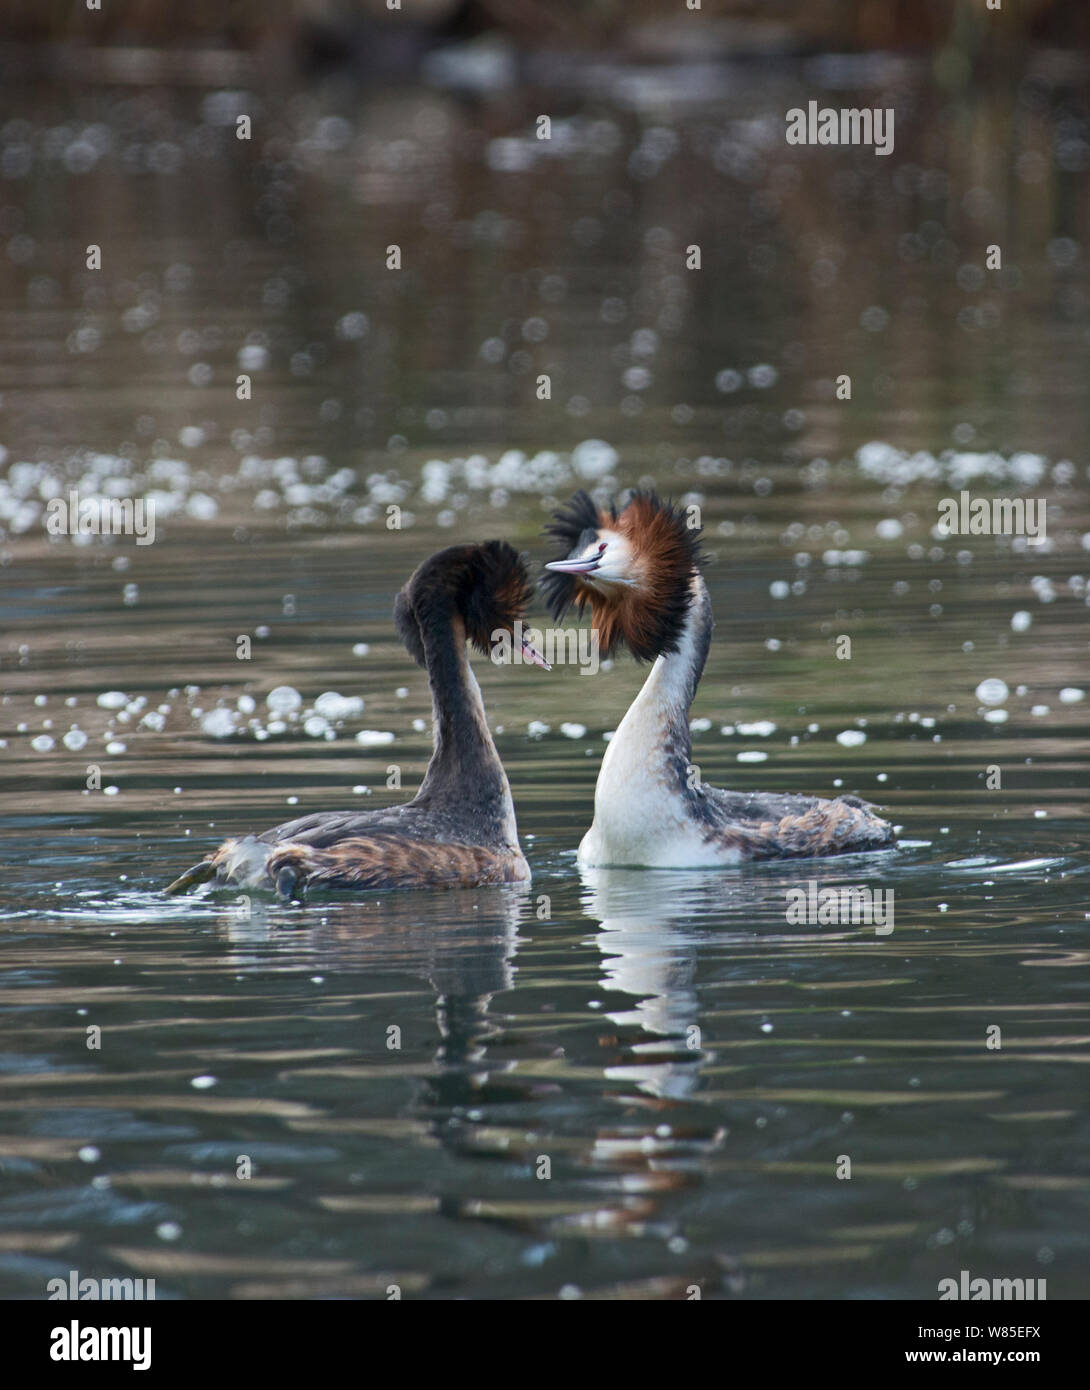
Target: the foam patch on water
pixel 298 491
pixel 885 463
pixel 217 714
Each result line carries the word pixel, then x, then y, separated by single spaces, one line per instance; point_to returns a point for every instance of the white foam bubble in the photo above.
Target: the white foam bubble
pixel 992 691
pixel 284 699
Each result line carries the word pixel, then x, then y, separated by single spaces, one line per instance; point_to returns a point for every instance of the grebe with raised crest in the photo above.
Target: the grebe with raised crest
pixel 459 830
pixel 638 569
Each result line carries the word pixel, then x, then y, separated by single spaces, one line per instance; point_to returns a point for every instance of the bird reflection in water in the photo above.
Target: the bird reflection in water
pixel 499 1095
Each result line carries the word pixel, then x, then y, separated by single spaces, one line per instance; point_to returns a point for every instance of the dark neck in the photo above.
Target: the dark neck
pixel 679 675
pixel 686 665
pixel 465 769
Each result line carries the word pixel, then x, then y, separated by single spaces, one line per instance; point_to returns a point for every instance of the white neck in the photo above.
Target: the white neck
pixel 641 798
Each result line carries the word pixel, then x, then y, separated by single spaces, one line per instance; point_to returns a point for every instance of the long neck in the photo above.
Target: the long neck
pixel 465 770
pixel 654 734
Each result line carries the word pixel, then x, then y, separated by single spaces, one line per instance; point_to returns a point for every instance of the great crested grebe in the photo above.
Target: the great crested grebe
pixel 639 570
pixel 459 830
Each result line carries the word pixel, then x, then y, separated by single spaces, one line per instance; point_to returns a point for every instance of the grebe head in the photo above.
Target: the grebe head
pixel 633 567
pixel 483 589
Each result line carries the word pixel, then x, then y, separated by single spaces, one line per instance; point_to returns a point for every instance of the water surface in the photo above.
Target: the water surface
pixel 617 1084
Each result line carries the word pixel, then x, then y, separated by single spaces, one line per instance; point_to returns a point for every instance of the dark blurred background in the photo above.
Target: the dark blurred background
pixel 369 32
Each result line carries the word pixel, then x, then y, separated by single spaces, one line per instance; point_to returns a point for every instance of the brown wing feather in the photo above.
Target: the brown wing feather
pixel 825 828
pixel 396 863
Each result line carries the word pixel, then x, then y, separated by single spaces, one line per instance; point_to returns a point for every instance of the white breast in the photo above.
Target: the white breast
pixel 638 818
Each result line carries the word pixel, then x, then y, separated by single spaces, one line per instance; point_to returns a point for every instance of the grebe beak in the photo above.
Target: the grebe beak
pixel 574 566
pixel 586 564
pixel 531 654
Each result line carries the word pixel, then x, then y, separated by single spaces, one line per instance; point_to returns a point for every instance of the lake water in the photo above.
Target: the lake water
pixel 619 1084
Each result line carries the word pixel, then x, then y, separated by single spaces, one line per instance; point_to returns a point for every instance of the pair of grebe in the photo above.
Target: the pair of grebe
pixel 638 570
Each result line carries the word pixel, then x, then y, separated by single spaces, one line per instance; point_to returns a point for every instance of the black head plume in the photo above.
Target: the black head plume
pixel 573 527
pixel 487 586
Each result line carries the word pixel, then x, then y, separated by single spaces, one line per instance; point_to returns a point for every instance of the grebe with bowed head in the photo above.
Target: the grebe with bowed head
pixel 638 569
pixel 459 830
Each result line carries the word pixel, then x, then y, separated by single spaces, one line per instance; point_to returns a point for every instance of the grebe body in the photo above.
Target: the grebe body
pixel 459 830
pixel 638 571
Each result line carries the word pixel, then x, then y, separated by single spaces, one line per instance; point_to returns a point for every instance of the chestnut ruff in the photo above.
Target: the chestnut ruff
pixel 650 617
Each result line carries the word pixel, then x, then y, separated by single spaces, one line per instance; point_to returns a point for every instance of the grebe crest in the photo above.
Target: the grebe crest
pixel 633 568
pixel 485 588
